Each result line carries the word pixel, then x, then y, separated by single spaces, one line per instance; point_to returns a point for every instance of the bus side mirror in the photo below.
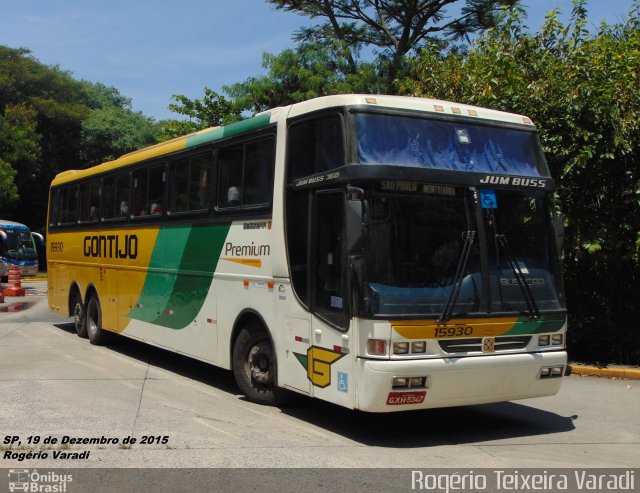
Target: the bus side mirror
pixel 38 237
pixel 355 220
pixel 558 227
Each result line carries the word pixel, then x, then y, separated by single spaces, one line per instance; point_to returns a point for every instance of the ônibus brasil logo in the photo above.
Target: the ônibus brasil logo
pixel 33 481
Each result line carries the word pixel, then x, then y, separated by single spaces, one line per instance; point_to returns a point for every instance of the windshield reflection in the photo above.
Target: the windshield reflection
pixel 416 243
pixel 18 245
pixel 437 144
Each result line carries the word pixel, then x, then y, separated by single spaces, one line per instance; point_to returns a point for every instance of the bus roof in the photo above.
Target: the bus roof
pixel 5 224
pixel 298 109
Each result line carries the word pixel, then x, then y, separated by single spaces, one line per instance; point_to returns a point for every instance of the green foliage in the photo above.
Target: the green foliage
pixel 212 110
pixel 50 122
pixel 309 71
pixel 112 131
pixel 19 151
pixel 396 27
pixel 583 91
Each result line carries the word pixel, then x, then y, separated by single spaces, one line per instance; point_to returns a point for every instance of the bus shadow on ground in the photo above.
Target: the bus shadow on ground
pixel 432 427
pixel 407 429
pixel 173 362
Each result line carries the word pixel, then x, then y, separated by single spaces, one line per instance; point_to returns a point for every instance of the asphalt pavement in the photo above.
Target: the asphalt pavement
pixel 60 395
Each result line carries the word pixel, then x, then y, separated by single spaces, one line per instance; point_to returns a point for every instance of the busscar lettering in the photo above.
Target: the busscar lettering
pixel 111 246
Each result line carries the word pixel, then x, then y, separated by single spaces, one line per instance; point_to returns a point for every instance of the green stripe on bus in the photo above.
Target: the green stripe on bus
pixel 174 299
pixel 524 325
pixel 229 130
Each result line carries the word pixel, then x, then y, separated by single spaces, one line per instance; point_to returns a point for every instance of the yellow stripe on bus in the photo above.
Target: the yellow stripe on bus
pixel 456 328
pixel 251 262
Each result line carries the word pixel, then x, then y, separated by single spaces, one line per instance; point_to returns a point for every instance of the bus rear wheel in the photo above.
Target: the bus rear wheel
pixel 79 316
pixel 97 335
pixel 254 366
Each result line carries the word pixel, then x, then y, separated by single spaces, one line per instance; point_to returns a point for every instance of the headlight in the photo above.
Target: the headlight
pixel 557 339
pixel 418 347
pixel 400 347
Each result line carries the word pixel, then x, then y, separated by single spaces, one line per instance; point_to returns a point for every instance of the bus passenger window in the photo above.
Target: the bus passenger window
pixel 258 171
pixel 68 205
pixel 116 196
pixel 90 201
pixel 54 218
pixel 180 185
pixel 246 174
pixel 148 195
pixel 230 164
pixel 190 183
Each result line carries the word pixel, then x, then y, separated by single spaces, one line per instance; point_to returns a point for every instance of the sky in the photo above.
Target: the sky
pixel 150 50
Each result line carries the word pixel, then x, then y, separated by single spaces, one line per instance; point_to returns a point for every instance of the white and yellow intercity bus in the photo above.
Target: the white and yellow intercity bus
pixel 381 253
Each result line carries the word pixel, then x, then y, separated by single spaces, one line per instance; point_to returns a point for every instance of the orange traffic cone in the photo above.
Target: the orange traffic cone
pixel 15 287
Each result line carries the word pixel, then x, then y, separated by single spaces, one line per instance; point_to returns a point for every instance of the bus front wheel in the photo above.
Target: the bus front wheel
pixel 97 335
pixel 254 366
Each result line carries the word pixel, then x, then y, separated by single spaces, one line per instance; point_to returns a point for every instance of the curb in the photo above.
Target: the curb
pixel 625 373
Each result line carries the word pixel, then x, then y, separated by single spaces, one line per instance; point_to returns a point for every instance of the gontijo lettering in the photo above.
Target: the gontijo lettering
pixel 111 246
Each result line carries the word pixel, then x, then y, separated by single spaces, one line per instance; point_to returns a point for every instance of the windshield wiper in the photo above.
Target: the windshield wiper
pixel 532 306
pixel 447 311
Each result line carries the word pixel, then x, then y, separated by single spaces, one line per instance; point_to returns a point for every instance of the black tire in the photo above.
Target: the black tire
pixel 97 335
pixel 79 315
pixel 254 366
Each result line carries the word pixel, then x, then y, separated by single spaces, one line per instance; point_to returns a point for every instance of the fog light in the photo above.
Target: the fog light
pixel 551 371
pixel 400 382
pixel 556 371
pixel 415 382
pixel 543 340
pixel 418 347
pixel 400 347
pixel 557 339
pixel 377 347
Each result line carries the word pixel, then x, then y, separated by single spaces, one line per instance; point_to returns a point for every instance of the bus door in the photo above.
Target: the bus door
pixel 330 362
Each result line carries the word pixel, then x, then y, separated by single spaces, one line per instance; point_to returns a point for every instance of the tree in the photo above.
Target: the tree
pixel 582 89
pixel 212 110
pixel 19 152
pixel 109 132
pixel 397 27
pixel 50 122
pixel 311 70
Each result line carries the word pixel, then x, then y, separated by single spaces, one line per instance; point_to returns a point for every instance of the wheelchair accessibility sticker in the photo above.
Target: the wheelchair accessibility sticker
pixel 343 382
pixel 488 199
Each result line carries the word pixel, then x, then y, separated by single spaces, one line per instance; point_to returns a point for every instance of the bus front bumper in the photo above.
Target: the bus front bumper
pixel 457 381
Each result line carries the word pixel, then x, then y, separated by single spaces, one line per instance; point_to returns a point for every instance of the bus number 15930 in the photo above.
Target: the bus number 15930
pixel 458 331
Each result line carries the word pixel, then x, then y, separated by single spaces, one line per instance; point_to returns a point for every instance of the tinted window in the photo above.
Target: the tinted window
pixel 315 146
pixel 148 186
pixel 190 183
pixel 90 201
pixel 68 205
pixel 54 208
pixel 246 174
pixel 116 196
pixel 419 142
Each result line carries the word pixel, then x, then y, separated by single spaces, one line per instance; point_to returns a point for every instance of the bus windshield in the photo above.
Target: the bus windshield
pixel 18 245
pixel 421 246
pixel 447 145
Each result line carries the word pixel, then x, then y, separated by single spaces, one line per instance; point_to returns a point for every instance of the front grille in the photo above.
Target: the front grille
pixel 475 344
